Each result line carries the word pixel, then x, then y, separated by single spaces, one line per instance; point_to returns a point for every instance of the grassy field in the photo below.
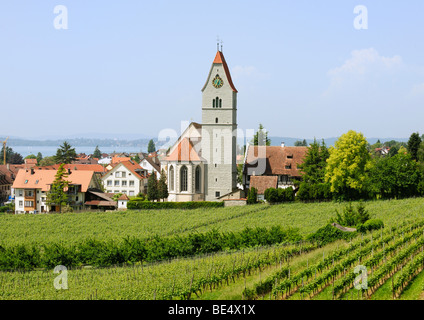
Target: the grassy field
pixel 171 279
pixel 71 227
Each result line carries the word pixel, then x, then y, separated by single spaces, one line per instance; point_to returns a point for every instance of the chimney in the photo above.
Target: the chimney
pixel 8 166
pixel 282 144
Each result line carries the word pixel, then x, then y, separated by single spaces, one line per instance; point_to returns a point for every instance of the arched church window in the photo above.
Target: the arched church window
pixel 197 179
pixel 216 120
pixel 213 103
pixel 184 178
pixel 171 178
pixel 220 103
pixel 217 102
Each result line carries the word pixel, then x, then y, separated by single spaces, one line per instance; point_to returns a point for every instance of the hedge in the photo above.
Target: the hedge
pixel 142 205
pixel 130 250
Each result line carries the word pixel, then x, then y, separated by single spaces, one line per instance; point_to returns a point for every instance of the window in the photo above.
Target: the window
pixel 124 183
pixel 109 183
pixel 217 102
pixel 213 103
pixel 117 174
pixel 116 191
pixel 288 166
pixel 29 193
pixel 20 192
pixel 289 156
pixel 116 183
pixel 131 183
pixel 21 203
pixel 124 191
pixel 29 203
pixel 220 103
pixel 197 179
pixel 123 174
pixel 26 181
pixel 216 120
pixel 171 178
pixel 217 194
pixel 131 193
pixel 184 178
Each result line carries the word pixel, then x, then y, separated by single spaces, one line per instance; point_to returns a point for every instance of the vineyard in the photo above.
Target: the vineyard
pixel 392 257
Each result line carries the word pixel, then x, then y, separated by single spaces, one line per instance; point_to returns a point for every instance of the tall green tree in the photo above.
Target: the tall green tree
pixel 413 145
pixel 97 153
pixel 57 194
pixel 152 187
pixel 39 158
pixel 314 164
pixel 65 154
pixel 151 146
pixel 261 137
pixel 348 166
pixel 162 186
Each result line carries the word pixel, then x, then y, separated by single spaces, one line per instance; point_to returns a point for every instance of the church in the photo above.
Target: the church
pixel 201 165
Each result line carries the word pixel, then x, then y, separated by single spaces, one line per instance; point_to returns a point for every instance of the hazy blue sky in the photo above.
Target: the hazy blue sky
pixel 137 67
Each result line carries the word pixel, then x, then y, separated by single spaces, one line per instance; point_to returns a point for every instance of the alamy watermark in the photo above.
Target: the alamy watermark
pixel 361 20
pixel 361 281
pixel 61 281
pixel 61 20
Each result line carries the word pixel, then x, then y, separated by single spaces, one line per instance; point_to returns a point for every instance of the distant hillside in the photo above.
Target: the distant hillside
pixel 276 141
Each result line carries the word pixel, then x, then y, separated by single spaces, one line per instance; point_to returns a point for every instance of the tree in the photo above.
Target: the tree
pixel 395 177
pixel 413 145
pixel 136 158
pixel 300 143
pixel 47 161
pixel 152 187
pixel 57 195
pixel 151 146
pixel 11 156
pixel 261 137
pixel 162 186
pixel 65 154
pixel 97 153
pixel 348 166
pixel 31 156
pixel 252 196
pixel 39 157
pixel 313 166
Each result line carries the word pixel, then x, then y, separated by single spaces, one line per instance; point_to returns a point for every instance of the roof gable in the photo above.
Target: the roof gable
pixel 220 60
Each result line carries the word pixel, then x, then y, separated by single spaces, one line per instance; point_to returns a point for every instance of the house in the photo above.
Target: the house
pixel 122 202
pixel 125 177
pixel 151 164
pixel 261 183
pixel 31 187
pixel 8 174
pixel 97 200
pixel 279 161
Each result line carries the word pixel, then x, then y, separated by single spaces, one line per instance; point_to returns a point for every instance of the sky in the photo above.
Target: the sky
pixel 302 68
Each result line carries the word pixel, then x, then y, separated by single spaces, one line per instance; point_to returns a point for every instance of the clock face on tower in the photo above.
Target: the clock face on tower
pixel 217 82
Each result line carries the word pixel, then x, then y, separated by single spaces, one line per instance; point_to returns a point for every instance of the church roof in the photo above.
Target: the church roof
pixel 219 59
pixel 184 152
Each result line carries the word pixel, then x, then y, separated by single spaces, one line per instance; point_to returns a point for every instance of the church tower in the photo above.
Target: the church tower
pixel 219 130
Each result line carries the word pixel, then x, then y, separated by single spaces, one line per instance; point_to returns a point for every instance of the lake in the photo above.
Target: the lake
pixel 47 151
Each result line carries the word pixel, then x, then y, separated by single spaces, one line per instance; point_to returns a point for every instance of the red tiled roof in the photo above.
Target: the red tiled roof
pixel 219 58
pixel 42 179
pixel 75 166
pixel 184 152
pixel 279 160
pixel 116 159
pixel 261 183
pixel 123 197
